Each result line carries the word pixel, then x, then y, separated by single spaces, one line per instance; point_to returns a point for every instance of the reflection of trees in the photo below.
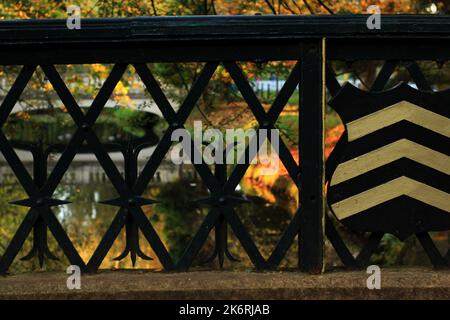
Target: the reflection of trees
pixel 84 220
pixel 180 215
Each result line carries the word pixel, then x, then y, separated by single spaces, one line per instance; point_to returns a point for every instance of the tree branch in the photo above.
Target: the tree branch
pixel 284 4
pixel 154 7
pixel 297 6
pixel 213 6
pixel 272 8
pixel 308 7
pixel 325 6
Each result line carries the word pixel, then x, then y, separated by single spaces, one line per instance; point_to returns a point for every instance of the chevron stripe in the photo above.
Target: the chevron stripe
pixel 403 110
pixel 402 148
pixel 391 190
pixel 384 174
pixel 400 130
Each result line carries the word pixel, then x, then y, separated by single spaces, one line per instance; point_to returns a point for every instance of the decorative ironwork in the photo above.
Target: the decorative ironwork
pixel 393 174
pixel 216 40
pixel 405 217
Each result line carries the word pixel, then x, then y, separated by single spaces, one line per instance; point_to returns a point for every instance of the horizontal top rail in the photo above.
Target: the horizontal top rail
pixel 222 28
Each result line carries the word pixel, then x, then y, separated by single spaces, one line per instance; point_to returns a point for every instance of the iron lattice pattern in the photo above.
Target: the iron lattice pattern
pixel 374 239
pixel 221 186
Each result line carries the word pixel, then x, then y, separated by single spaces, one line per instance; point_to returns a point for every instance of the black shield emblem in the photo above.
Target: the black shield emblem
pixel 392 171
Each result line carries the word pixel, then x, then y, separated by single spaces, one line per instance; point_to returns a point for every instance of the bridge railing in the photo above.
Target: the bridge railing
pixel 313 41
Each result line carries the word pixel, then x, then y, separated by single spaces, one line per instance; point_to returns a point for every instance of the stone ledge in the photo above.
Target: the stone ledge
pixel 404 283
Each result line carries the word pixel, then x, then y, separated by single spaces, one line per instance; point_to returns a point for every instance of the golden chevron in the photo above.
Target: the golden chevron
pixel 402 148
pixel 391 190
pixel 403 110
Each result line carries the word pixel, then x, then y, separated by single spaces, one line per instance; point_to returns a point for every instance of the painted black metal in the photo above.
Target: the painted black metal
pixel 130 153
pixel 311 148
pixel 214 40
pixel 222 28
pixel 221 228
pixel 40 246
pixel 363 257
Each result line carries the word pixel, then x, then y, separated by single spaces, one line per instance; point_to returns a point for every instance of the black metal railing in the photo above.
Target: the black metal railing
pixel 313 41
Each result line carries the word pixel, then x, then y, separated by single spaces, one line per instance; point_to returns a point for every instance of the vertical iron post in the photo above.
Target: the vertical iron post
pixel 311 180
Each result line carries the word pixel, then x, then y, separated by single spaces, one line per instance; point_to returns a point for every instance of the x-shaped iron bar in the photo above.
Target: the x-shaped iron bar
pixel 128 199
pixel 267 121
pixel 224 199
pixel 39 198
pixel 176 121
